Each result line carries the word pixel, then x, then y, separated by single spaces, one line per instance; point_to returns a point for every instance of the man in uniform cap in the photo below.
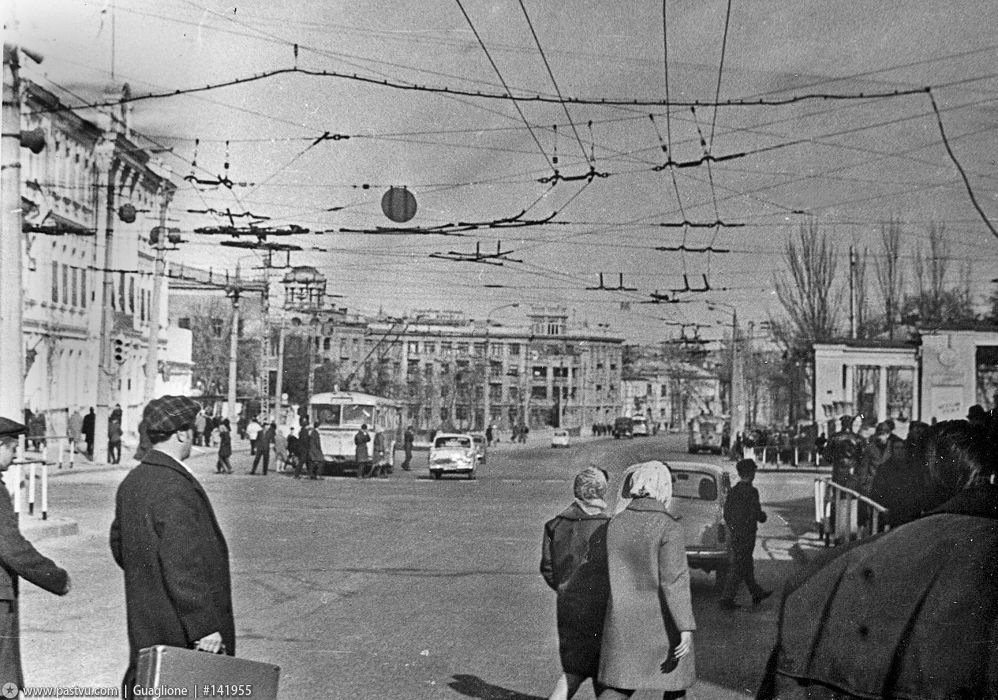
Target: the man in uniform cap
pixel 18 558
pixel 168 543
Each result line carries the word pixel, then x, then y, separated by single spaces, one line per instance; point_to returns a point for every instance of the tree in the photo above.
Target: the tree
pixel 210 323
pixel 890 274
pixel 936 304
pixel 812 302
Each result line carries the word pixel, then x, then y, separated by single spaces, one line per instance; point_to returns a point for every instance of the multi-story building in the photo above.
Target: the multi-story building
pixel 90 186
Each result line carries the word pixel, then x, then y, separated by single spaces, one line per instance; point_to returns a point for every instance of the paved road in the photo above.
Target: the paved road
pixel 403 588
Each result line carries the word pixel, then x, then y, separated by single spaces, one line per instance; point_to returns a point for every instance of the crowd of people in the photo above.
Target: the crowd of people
pixel 911 612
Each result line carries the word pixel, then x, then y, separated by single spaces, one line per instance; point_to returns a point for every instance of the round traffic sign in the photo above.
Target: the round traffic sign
pixel 398 204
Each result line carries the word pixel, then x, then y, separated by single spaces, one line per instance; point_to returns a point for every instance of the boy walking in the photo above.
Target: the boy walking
pixel 742 513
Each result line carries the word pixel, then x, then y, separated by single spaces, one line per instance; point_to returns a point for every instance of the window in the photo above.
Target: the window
pixel 131 295
pixel 121 291
pixel 65 284
pixel 514 348
pixel 216 327
pixel 446 348
pixel 495 350
pixel 539 392
pixel 83 288
pixel 413 347
pixel 540 372
pixel 55 282
pixel 327 343
pixel 462 348
pixel 430 348
pixel 495 392
pixel 75 288
pixel 599 387
pixel 612 366
pixel 599 365
pixel 184 322
pixel 559 372
pixel 479 349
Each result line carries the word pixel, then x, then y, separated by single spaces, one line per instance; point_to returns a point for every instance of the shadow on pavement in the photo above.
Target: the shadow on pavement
pixel 475 687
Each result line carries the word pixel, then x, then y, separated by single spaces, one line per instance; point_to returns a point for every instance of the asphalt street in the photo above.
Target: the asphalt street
pixel 403 587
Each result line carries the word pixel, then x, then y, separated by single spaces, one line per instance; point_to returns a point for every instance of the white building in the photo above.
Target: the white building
pixel 70 213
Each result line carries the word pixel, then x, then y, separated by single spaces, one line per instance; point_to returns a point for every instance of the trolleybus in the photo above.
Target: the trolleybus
pixel 337 416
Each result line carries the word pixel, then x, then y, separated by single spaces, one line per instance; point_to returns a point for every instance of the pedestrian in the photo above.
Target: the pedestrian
pixel 210 425
pixel 199 425
pixel 844 450
pixel 361 457
pixel 115 413
pixel 742 513
pixel 18 559
pixel 89 422
pixel 280 449
pixel 573 564
pixel 878 451
pixel 222 465
pixel 313 449
pixel 241 423
pixel 524 430
pixel 114 442
pixel 253 430
pixel 293 452
pixel 489 434
pixel 648 632
pixel 408 439
pixel 911 613
pixel 264 441
pixel 37 428
pixel 168 543
pixel 74 428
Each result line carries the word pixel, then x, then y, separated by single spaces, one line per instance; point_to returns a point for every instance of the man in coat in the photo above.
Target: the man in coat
pixel 89 425
pixel 360 440
pixel 844 451
pixel 74 428
pixel 264 442
pixel 169 545
pixel 313 449
pixel 18 558
pixel 407 442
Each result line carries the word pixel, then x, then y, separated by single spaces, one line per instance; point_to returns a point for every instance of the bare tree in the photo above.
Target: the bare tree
pixel 890 274
pixel 863 320
pixel 808 292
pixel 812 302
pixel 934 303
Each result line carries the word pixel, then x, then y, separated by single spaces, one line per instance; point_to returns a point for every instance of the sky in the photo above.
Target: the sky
pixel 846 164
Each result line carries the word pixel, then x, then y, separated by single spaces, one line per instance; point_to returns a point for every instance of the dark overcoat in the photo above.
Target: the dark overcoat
pixel 912 613
pixel 176 563
pixel 573 563
pixel 19 559
pixel 360 441
pixel 649 600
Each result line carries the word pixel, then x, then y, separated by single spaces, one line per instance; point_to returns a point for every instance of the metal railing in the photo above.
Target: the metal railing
pixel 790 456
pixel 843 515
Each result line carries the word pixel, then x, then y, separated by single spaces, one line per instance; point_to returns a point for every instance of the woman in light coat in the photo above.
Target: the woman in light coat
pixel 648 631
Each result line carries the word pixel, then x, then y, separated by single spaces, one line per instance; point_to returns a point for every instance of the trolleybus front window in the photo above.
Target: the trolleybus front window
pixel 326 415
pixel 357 413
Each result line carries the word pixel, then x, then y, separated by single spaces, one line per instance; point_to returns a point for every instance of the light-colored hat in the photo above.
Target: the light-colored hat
pixel 652 479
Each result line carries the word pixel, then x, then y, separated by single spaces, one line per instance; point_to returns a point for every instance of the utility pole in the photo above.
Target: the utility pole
pixel 279 381
pixel 852 292
pixel 737 381
pixel 233 293
pixel 152 351
pixel 108 171
pixel 11 244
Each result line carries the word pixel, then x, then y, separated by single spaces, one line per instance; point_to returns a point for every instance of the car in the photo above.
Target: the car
pixel 623 427
pixel 699 491
pixel 707 432
pixel 559 438
pixel 639 426
pixel 481 446
pixel 453 453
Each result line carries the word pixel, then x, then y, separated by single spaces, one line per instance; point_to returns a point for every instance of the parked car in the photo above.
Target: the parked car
pixel 481 446
pixel 560 438
pixel 453 453
pixel 698 494
pixel 623 427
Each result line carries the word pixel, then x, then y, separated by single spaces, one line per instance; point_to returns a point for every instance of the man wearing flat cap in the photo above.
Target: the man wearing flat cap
pixel 18 559
pixel 168 543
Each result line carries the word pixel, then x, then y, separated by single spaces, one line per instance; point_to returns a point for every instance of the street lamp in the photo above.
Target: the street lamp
pixel 486 419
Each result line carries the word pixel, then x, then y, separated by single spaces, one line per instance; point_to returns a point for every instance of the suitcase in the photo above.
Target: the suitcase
pixel 162 671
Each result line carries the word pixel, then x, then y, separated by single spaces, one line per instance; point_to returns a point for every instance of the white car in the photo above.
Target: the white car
pixel 453 453
pixel 559 438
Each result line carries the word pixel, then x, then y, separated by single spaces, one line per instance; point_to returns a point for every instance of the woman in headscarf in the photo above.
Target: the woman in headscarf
pixel 648 632
pixel 573 563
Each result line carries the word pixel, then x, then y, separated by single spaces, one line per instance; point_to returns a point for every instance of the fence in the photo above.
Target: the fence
pixel 844 515
pixel 778 456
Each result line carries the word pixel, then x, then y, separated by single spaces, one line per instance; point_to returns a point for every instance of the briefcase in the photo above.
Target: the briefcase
pixel 162 671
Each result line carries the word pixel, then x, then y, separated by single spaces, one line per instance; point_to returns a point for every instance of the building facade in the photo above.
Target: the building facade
pixel 90 186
